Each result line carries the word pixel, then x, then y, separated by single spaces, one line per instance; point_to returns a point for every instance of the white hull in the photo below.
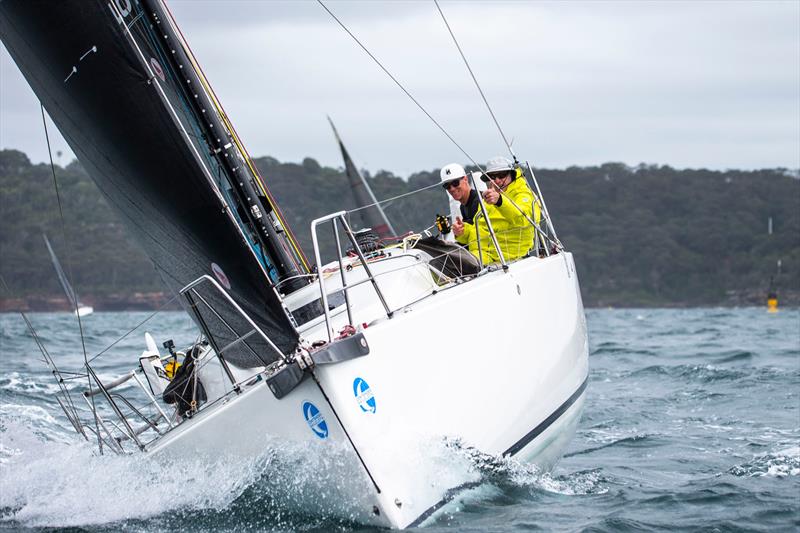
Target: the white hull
pixel 504 379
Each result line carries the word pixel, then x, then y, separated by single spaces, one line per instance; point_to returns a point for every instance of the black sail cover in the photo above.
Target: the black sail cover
pixel 101 74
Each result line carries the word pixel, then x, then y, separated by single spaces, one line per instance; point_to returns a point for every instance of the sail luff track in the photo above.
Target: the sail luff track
pixel 258 179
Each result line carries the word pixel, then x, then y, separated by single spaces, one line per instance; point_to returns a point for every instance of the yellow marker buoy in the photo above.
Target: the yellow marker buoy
pixel 772 303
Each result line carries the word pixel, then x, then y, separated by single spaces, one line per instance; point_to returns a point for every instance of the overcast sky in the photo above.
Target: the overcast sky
pixel 689 84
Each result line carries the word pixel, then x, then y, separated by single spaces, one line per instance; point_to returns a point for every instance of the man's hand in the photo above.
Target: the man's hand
pixel 491 195
pixel 458 227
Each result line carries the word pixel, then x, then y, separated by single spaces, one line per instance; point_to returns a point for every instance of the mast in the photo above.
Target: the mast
pixel 168 166
pixel 372 215
pixel 62 277
pixel 261 220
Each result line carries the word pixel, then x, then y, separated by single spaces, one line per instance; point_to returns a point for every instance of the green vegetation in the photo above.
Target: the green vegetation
pixel 646 235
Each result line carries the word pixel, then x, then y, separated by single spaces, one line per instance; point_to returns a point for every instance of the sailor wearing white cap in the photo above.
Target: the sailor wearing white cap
pixel 510 219
pixel 456 182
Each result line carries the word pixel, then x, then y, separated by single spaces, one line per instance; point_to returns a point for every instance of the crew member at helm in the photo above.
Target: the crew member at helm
pixel 510 206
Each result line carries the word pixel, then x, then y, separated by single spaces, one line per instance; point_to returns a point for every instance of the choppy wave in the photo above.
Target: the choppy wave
pixel 632 441
pixel 734 356
pixel 702 373
pixel 503 471
pixel 691 422
pixel 17 383
pixel 781 463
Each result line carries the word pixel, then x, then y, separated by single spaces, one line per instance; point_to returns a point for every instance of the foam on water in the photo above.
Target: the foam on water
pixel 51 480
pixel 16 383
pixel 502 471
pixel 48 483
pixel 781 463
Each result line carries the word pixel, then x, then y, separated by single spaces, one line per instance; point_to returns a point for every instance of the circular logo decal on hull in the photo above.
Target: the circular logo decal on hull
pixel 315 420
pixel 220 275
pixel 364 396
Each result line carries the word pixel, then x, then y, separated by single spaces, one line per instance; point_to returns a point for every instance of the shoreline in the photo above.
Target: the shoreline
pixel 137 301
pixel 152 301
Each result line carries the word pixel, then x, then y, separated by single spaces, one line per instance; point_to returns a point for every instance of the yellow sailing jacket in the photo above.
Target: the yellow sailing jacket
pixel 514 231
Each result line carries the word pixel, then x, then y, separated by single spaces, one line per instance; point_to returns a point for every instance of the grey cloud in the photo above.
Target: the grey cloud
pixel 680 83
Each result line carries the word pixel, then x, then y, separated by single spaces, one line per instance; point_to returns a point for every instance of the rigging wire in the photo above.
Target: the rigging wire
pixel 477 85
pixel 479 167
pixel 69 273
pixel 496 122
pixel 140 324
pixel 432 185
pixel 47 359
pixel 63 227
pixel 400 85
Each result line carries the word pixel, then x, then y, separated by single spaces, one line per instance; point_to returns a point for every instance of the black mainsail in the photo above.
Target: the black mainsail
pixel 121 85
pixel 372 215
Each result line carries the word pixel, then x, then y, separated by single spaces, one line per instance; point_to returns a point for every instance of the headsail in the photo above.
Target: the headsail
pixel 62 277
pixel 123 90
pixel 372 215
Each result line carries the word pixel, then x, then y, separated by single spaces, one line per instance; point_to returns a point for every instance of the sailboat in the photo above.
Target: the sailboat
pixel 77 308
pixel 371 213
pixel 357 362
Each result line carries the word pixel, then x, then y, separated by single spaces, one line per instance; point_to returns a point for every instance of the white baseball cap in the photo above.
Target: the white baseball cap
pixel 452 172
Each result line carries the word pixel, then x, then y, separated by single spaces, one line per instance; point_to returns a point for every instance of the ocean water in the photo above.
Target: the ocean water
pixel 692 422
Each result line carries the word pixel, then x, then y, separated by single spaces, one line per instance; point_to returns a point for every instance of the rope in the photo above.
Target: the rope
pixel 485 101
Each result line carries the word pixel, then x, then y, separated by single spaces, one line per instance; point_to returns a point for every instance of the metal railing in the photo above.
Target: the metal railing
pixel 335 219
pixel 193 297
pixel 124 429
pixel 120 428
pixel 541 243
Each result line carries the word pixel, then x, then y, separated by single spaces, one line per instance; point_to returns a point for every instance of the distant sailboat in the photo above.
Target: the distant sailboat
pixel 77 308
pixel 372 215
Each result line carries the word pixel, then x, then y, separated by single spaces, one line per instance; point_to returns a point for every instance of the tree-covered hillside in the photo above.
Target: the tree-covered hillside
pixel 646 235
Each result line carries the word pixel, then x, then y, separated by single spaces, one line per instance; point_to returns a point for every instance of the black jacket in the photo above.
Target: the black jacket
pixel 469 210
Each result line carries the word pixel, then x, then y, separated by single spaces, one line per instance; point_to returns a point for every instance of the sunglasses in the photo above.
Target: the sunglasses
pixel 451 184
pixel 494 176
